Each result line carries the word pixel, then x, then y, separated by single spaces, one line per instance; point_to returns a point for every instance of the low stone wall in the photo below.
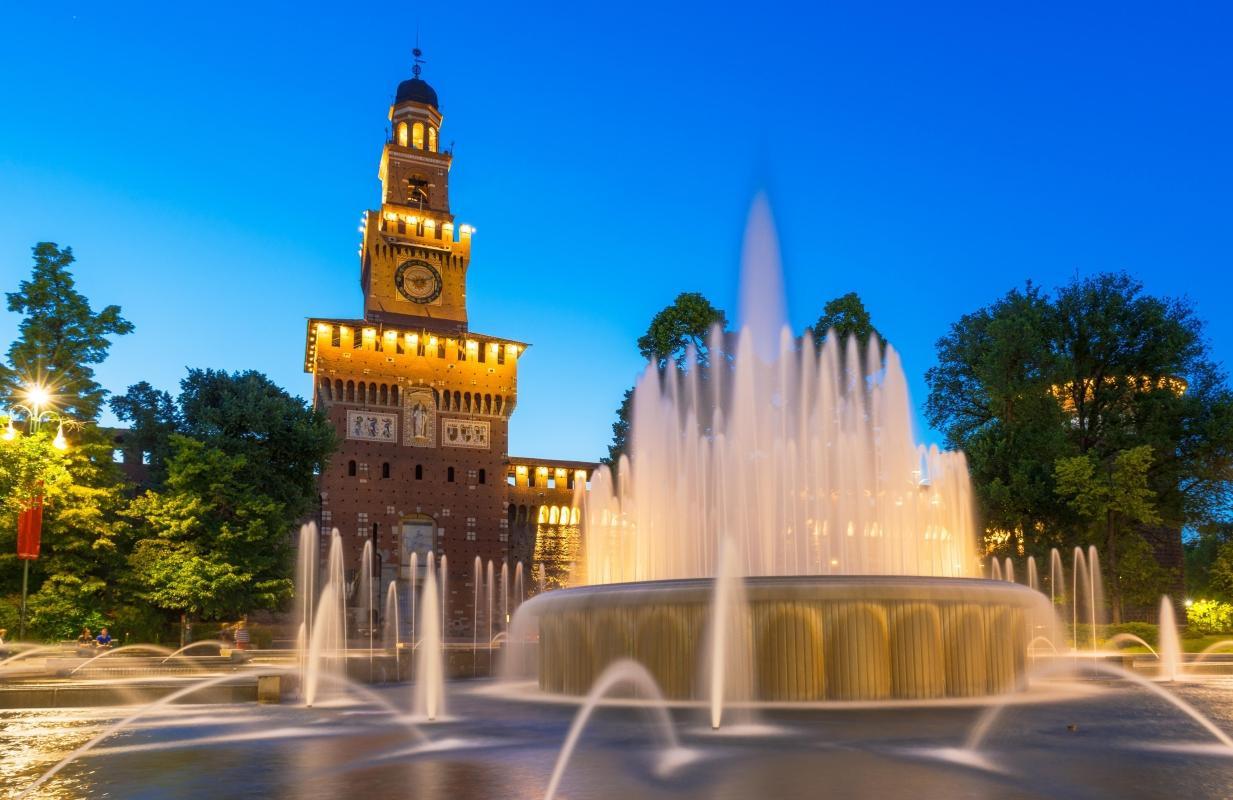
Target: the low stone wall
pixel 806 638
pixel 89 695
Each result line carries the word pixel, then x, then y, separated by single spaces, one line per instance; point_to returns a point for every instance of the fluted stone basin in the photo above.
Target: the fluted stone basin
pixel 813 638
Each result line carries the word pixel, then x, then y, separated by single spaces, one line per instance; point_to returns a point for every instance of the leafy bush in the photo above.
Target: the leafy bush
pixel 1144 630
pixel 1210 616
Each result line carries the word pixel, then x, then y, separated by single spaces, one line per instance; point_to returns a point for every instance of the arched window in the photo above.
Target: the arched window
pixel 432 138
pixel 385 469
pixel 419 472
pixel 351 390
pixel 385 394
pixel 372 393
pixel 338 389
pixel 402 133
pixel 393 395
pixel 417 136
pixel 351 468
pixel 482 476
pixel 449 474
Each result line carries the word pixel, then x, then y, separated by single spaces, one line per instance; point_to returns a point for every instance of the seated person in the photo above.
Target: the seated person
pixel 86 639
pixel 103 639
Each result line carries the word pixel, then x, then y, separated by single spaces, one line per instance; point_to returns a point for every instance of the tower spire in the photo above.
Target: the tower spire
pixel 416 67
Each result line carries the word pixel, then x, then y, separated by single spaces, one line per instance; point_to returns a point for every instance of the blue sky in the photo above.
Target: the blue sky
pixel 209 165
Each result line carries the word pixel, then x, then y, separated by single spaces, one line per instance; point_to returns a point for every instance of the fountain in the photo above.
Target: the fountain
pixel 776 538
pixel 858 544
pixel 1171 664
pixel 390 630
pixel 429 665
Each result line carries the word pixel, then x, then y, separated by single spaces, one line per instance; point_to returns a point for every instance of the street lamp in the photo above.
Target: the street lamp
pixel 30 519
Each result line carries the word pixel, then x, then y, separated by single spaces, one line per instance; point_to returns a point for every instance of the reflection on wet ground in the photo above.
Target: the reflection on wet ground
pixel 1116 741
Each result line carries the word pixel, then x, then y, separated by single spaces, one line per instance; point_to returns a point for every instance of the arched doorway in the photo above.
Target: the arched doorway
pixel 419 536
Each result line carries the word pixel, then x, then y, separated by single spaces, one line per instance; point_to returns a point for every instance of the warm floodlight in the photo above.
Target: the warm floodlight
pixel 60 443
pixel 10 433
pixel 38 395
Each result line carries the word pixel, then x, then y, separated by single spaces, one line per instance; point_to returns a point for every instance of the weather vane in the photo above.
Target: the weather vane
pixel 417 52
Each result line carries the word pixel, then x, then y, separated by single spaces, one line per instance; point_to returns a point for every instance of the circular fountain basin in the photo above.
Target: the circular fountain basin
pixel 805 639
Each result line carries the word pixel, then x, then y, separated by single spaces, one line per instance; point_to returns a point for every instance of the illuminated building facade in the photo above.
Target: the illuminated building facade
pixel 422 403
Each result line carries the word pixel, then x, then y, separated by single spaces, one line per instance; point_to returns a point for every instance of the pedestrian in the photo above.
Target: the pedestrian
pixel 3 633
pixel 103 639
pixel 241 635
pixel 86 639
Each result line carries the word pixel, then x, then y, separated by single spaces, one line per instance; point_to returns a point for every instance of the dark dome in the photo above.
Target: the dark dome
pixel 415 91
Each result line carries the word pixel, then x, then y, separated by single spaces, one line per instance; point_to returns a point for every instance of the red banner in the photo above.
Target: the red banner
pixel 30 530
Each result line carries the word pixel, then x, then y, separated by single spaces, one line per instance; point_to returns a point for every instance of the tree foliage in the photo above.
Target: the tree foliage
pixel 684 325
pixel 234 460
pixel 214 535
pixel 674 332
pixel 1112 496
pixel 846 316
pixel 211 543
pixel 152 417
pixel 1093 370
pixel 60 336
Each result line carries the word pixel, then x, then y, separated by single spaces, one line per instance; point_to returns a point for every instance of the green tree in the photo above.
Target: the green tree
pixel 846 316
pixel 284 442
pixel 1209 562
pixel 674 332
pixel 1113 496
pixel 212 544
pixel 685 324
pixel 1220 574
pixel 152 417
pixel 1095 369
pixel 60 337
pixel 213 540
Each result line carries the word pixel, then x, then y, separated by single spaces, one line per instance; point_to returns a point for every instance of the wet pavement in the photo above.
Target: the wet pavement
pixel 1114 740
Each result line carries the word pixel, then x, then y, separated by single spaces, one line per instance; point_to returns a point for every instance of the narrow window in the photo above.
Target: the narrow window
pixel 432 138
pixel 530 477
pixel 419 472
pixel 351 468
pixel 500 354
pixel 511 479
pixel 482 476
pixel 417 136
pixel 402 133
pixel 385 470
pixel 336 336
pixel 449 475
pixel 552 481
pixel 482 351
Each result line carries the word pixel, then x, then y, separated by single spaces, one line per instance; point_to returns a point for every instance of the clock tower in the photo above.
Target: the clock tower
pixel 413 259
pixel 421 405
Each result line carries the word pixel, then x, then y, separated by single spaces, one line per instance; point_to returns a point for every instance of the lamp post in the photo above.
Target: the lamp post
pixel 30 518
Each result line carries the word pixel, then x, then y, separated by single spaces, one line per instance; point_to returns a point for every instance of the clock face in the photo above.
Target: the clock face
pixel 418 281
